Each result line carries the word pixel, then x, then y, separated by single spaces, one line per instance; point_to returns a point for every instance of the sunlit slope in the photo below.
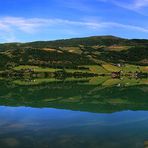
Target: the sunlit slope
pixel 71 53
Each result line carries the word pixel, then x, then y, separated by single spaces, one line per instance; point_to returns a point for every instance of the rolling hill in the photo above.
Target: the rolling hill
pixel 76 53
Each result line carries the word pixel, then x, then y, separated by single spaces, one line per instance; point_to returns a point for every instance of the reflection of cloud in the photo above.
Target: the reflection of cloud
pixel 11 142
pixel 16 126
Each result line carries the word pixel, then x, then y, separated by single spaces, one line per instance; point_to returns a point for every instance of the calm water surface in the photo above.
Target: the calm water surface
pixel 73 114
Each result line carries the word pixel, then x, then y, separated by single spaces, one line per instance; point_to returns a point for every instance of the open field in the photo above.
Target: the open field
pixel 96 69
pixel 34 68
pixel 118 48
pixel 91 69
pixel 111 68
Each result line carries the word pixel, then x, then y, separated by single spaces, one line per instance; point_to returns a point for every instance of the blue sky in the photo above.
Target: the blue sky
pixel 30 20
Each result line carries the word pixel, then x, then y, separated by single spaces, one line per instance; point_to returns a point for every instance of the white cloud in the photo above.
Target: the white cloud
pixel 25 25
pixel 138 6
pixel 30 25
pixel 129 27
pixel 10 26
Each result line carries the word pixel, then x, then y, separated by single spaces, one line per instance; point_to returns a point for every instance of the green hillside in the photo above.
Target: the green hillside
pixel 98 54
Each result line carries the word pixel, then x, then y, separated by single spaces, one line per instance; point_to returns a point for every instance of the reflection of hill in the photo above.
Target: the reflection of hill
pixel 76 95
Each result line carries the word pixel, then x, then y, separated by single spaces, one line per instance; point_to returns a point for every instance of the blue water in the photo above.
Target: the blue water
pixel 40 128
pixel 73 115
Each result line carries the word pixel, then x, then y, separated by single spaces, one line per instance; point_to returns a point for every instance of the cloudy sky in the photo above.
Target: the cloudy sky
pixel 30 20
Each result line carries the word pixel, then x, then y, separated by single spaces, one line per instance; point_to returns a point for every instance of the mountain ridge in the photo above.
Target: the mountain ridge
pixel 82 40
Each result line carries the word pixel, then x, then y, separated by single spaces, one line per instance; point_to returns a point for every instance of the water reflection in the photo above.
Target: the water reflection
pixel 28 127
pixel 102 95
pixel 76 113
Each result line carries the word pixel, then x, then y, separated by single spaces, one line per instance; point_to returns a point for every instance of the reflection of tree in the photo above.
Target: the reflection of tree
pixel 77 95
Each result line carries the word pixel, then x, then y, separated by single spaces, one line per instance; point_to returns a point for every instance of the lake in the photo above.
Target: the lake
pixel 74 113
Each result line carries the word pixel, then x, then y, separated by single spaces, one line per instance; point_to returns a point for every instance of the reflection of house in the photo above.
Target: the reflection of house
pixel 116 74
pixel 145 144
pixel 27 70
pixel 142 75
